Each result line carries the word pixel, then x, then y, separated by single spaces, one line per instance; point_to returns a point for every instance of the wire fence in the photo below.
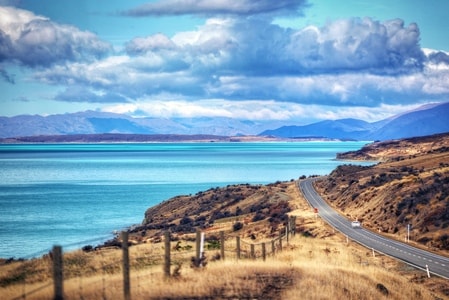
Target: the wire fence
pixel 113 276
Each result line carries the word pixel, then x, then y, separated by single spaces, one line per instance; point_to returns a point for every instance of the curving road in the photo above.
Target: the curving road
pixel 437 264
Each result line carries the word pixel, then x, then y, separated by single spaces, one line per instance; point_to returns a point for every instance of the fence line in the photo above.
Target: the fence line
pixel 34 291
pixel 72 246
pixel 240 249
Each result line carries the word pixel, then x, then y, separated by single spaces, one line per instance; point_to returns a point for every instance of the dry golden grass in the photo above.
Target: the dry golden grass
pixel 306 268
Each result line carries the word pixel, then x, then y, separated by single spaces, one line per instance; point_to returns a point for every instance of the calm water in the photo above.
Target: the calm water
pixel 78 194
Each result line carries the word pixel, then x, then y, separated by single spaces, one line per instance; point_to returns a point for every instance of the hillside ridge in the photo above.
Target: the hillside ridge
pixel 410 185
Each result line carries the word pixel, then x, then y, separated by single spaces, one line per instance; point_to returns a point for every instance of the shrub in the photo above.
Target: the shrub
pixel 87 248
pixel 186 220
pixel 259 216
pixel 213 244
pixel 237 226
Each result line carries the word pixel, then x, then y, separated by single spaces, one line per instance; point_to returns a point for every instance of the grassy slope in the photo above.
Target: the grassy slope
pixel 409 186
pixel 218 207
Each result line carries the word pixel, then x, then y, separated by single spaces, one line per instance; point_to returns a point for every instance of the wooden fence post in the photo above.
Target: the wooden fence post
pixel 198 248
pixel 287 231
pixel 280 241
pixel 202 254
pixel 58 279
pixel 126 282
pixel 253 254
pixel 167 254
pixel 238 246
pixel 222 242
pixel 264 252
pixel 293 225
pixel 273 247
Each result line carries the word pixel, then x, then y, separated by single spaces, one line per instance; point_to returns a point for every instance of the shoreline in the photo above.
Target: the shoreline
pixel 155 138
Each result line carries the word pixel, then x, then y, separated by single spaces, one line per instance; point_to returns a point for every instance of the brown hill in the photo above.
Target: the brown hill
pixel 230 208
pixel 409 186
pixel 397 149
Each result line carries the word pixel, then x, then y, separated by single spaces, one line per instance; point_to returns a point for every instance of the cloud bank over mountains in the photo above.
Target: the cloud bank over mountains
pixel 238 56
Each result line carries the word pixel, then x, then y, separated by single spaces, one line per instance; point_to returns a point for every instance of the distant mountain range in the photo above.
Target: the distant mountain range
pixel 426 120
pixel 92 122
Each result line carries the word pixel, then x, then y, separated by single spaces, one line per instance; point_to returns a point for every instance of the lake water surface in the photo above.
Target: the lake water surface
pixel 78 194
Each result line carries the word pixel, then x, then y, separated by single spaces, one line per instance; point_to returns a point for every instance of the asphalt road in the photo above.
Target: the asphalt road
pixel 437 264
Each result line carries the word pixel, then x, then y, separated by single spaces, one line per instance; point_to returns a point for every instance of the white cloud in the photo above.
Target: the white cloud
pixel 244 110
pixel 13 20
pixel 217 7
pixel 36 41
pixel 369 114
pixel 287 112
pixel 151 43
pixel 358 44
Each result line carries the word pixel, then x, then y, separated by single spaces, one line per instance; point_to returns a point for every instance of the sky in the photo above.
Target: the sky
pixel 294 61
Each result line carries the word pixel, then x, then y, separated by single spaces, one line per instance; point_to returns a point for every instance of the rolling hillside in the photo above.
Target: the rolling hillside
pixel 409 186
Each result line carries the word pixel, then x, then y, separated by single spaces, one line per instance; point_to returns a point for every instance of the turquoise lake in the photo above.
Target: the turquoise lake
pixel 79 194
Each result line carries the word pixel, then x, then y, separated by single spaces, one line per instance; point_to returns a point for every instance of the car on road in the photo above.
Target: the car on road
pixel 356 224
